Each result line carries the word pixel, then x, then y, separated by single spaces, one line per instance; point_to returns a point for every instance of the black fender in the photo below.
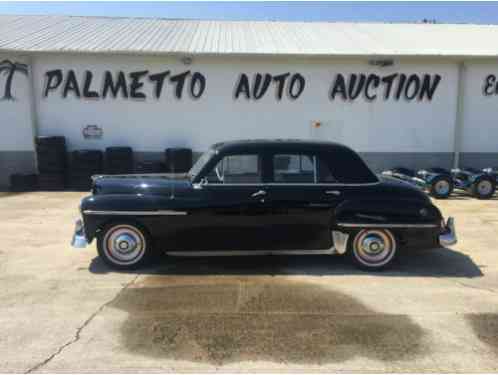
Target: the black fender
pixel 386 212
pixel 98 210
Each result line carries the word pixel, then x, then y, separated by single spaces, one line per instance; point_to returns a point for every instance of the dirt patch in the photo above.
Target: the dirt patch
pixel 485 327
pixel 230 320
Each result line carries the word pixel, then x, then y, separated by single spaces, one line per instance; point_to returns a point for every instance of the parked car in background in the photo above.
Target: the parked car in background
pixel 440 183
pixel 261 197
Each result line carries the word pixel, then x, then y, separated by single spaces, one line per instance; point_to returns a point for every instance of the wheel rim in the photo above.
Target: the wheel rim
pixel 484 187
pixel 124 244
pixel 374 248
pixel 442 187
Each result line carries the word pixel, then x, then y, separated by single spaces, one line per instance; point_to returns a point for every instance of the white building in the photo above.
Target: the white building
pixel 418 95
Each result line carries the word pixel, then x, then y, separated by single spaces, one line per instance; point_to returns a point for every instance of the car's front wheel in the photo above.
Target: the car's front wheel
pixel 373 249
pixel 124 246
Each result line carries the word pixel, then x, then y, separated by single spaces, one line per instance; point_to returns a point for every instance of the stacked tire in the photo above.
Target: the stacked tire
pixel 84 164
pixel 118 160
pixel 178 160
pixel 23 182
pixel 51 157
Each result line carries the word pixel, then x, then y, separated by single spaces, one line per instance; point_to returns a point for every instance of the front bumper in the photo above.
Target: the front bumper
pixel 79 239
pixel 448 236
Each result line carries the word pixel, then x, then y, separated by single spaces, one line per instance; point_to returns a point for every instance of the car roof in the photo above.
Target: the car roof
pixel 279 144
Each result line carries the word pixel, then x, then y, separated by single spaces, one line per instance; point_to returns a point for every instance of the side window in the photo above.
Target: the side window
pixel 293 168
pixel 236 169
pixel 301 168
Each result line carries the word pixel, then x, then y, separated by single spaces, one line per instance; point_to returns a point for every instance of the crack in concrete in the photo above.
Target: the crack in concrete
pixel 477 287
pixel 77 334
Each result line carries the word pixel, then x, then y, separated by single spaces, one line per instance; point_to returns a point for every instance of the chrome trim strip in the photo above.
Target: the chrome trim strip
pixel 250 252
pixel 386 225
pixel 294 184
pixel 137 213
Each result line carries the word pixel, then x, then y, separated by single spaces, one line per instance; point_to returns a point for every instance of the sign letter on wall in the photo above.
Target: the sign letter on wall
pixel 409 87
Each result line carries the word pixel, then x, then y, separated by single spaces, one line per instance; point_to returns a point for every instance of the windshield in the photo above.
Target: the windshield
pixel 200 163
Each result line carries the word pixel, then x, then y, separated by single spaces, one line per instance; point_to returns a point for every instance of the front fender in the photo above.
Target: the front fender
pixel 97 210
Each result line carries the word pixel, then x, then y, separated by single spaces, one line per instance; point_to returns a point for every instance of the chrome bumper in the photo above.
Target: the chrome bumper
pixel 448 237
pixel 79 240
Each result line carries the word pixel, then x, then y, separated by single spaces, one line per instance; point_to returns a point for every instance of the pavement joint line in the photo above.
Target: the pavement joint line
pixel 80 329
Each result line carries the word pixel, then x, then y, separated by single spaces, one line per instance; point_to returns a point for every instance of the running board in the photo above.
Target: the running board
pixel 221 253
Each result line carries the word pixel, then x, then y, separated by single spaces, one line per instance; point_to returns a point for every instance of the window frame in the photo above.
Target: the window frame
pixel 316 157
pixel 219 157
pixel 313 156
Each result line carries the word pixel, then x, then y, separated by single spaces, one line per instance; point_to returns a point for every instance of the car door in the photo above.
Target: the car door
pixel 303 195
pixel 237 213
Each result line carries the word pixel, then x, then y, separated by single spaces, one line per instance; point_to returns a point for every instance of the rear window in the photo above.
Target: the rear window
pixel 300 168
pixel 341 166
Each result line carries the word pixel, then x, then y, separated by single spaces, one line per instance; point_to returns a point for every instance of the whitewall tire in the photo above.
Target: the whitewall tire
pixel 124 246
pixel 373 249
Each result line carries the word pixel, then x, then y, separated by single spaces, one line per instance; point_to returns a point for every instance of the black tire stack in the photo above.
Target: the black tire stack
pixel 118 160
pixel 84 164
pixel 23 182
pixel 178 160
pixel 51 156
pixel 151 166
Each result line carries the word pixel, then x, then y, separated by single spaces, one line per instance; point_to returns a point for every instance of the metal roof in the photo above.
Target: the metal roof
pixel 194 37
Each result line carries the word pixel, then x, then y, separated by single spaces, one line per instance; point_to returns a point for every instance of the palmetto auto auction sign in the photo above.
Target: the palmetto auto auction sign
pixel 289 85
pixel 144 85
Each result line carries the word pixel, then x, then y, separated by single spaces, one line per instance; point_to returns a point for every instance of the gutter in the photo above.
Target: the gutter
pixel 457 141
pixel 33 107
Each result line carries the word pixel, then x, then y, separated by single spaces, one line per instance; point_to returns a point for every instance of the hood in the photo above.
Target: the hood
pixel 159 184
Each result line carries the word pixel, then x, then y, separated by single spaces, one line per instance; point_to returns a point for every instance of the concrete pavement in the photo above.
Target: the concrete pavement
pixel 64 311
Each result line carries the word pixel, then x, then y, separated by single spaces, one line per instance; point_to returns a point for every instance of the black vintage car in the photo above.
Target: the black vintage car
pixel 261 197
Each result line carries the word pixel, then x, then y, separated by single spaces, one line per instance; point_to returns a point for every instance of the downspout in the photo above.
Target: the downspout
pixel 459 115
pixel 33 107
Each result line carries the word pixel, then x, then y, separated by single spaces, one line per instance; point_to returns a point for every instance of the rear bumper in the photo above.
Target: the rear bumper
pixel 448 237
pixel 79 239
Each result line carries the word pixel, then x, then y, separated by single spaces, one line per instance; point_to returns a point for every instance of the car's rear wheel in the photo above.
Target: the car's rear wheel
pixel 483 188
pixel 373 249
pixel 124 246
pixel 441 187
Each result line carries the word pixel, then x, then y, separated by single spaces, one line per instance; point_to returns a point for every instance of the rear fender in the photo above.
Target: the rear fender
pixel 386 212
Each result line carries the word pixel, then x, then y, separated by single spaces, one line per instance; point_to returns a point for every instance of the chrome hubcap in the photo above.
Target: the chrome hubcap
pixel 442 187
pixel 372 244
pixel 374 247
pixel 484 187
pixel 124 244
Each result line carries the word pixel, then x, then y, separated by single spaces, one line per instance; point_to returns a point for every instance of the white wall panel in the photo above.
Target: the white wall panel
pixel 152 125
pixel 15 112
pixel 480 111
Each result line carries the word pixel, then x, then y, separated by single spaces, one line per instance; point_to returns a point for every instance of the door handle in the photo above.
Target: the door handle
pixel 259 193
pixel 333 192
